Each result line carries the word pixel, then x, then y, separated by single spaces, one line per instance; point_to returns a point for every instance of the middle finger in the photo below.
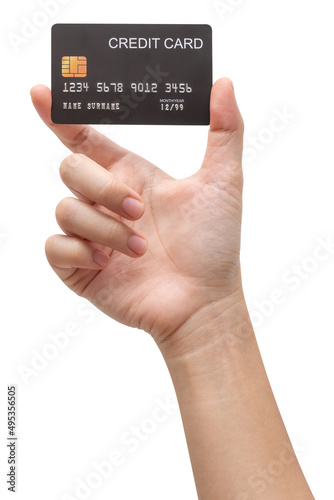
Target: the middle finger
pixel 89 181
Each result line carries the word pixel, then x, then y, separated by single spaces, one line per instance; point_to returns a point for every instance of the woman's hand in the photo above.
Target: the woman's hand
pixel 149 250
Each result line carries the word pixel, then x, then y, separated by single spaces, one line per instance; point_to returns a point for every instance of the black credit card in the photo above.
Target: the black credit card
pixel 154 74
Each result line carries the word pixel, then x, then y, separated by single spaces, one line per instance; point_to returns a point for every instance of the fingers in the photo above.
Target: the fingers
pixel 84 221
pixel 78 138
pixel 90 181
pixel 67 253
pixel 225 139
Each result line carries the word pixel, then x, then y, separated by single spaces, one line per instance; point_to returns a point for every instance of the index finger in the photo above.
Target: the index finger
pixel 78 138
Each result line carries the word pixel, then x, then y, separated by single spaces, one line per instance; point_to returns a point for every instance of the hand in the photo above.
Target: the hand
pixel 153 263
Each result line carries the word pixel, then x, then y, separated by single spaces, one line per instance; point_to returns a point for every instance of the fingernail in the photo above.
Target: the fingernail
pixel 100 258
pixel 137 244
pixel 134 208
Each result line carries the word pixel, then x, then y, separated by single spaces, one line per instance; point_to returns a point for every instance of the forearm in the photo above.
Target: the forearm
pixel 238 445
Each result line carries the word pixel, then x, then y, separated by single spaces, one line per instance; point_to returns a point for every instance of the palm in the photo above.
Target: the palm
pixel 193 251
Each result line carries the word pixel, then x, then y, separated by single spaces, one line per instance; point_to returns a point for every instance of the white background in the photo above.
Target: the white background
pixel 74 411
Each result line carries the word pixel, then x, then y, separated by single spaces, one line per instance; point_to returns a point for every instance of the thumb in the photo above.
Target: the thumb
pixel 225 138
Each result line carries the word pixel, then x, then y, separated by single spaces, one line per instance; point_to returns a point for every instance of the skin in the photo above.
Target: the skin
pixel 167 261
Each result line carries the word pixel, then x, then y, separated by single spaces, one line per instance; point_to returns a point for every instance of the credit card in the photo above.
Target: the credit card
pixel 150 74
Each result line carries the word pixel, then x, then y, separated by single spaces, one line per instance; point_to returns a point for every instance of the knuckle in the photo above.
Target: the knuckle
pixel 108 191
pixel 50 246
pixel 65 210
pixel 76 252
pixel 112 233
pixel 53 249
pixel 69 164
pixel 82 138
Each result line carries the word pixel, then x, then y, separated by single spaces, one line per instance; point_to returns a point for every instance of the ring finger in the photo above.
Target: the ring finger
pixel 85 221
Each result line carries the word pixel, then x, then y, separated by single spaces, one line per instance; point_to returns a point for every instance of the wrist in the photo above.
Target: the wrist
pixel 218 328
